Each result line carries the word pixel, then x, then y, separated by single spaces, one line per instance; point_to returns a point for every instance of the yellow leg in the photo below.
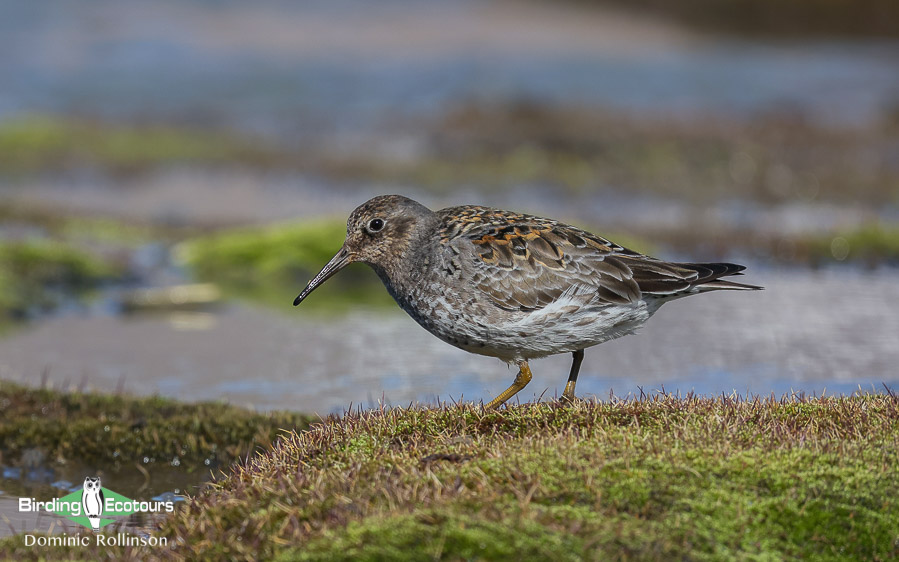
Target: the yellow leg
pixel 521 380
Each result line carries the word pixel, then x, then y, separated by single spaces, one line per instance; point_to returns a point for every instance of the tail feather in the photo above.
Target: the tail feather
pixel 709 276
pixel 668 279
pixel 725 284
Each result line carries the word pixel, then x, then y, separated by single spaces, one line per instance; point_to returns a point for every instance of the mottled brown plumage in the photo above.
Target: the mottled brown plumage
pixel 511 285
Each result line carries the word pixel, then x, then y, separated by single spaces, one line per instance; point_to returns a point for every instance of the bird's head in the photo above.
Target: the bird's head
pixel 379 232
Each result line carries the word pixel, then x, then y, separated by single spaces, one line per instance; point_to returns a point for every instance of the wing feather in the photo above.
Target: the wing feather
pixel 523 262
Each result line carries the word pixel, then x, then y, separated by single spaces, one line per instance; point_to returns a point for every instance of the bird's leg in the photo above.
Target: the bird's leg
pixel 521 380
pixel 568 394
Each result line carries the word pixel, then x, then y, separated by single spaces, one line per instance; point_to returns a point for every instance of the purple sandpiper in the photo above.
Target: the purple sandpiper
pixel 510 285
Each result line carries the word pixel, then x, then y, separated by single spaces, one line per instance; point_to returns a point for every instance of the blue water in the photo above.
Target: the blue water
pixel 59 56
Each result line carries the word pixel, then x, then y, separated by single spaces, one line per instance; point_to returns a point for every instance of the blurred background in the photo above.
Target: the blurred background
pixel 171 174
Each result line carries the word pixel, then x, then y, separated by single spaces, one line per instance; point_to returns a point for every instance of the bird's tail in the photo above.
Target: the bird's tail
pixel 710 275
pixel 95 523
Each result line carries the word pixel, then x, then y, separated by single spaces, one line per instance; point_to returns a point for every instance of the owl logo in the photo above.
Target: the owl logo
pixel 92 501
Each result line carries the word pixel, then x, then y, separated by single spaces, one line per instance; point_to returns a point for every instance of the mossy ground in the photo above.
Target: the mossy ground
pixel 658 478
pixel 110 432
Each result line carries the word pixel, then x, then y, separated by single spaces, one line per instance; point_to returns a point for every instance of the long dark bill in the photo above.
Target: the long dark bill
pixel 338 262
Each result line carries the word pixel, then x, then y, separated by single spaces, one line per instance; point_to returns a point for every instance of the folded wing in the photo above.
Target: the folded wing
pixel 525 263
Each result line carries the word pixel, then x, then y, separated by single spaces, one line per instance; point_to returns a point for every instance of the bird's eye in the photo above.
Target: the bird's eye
pixel 375 225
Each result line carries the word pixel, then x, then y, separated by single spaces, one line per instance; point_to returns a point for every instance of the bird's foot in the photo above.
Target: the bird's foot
pixel 521 380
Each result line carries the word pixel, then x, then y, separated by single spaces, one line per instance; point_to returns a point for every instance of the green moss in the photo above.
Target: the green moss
pixel 36 273
pixel 660 479
pixel 110 431
pixel 652 509
pixel 273 264
pixel 436 535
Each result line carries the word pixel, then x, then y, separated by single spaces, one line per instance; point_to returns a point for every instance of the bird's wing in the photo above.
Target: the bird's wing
pixel 522 262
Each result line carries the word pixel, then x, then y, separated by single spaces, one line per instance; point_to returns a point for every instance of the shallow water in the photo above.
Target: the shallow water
pixel 297 68
pixel 808 331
